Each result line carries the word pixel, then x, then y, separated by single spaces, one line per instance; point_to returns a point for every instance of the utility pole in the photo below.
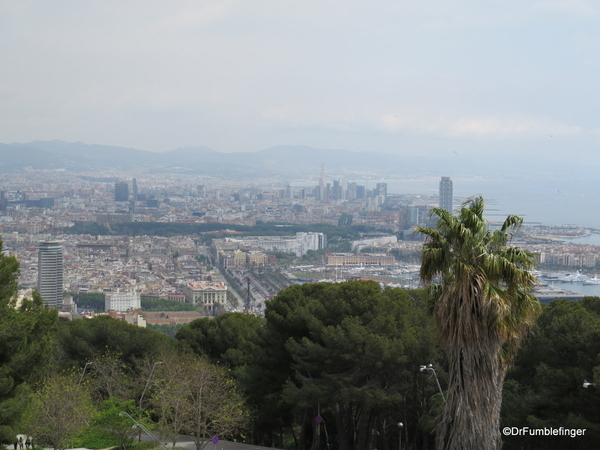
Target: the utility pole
pixel 247 308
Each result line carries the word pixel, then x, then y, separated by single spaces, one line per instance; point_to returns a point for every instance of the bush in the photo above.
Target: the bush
pixel 95 438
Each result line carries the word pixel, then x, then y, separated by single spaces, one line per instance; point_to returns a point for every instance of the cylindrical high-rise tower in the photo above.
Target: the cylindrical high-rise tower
pixel 50 273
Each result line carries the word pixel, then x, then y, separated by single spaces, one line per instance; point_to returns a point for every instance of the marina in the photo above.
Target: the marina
pixel 572 285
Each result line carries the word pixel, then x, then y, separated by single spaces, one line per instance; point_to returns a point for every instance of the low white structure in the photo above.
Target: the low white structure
pixel 122 301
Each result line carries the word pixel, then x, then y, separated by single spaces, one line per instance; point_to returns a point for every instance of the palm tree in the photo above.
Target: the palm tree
pixel 482 308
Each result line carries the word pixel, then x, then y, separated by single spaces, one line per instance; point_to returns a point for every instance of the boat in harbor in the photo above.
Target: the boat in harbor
pixel 592 281
pixel 574 278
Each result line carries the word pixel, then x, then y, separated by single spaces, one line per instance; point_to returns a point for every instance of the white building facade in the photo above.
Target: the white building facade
pixel 122 301
pixel 209 294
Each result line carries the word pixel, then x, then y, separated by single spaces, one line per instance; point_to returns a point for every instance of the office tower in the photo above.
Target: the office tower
pixel 322 179
pixel 121 191
pixel 50 273
pixel 134 189
pixel 318 193
pixel 414 212
pixel 337 190
pixel 352 191
pixel 446 194
pixel 382 189
pixel 361 192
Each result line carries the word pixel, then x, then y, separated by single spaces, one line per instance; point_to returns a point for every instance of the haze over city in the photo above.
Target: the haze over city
pixel 435 78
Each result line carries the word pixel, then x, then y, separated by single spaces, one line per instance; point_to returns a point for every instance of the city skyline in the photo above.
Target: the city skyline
pixel 470 80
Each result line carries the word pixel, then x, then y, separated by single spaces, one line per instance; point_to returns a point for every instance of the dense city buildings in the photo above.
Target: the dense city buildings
pixel 445 194
pixel 50 273
pixel 44 206
pixel 298 245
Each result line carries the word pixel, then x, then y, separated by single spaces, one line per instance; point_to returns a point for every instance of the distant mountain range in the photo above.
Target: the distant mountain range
pixel 281 162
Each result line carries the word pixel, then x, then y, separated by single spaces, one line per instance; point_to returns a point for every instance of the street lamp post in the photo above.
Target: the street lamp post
pixel 144 429
pixel 144 392
pixel 147 383
pixel 429 367
pixel 400 425
pixel 83 372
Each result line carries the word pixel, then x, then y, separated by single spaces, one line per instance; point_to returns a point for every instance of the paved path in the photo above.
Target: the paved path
pixel 185 442
pixel 222 445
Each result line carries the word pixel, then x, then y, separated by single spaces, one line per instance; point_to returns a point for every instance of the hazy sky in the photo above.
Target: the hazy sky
pixel 243 75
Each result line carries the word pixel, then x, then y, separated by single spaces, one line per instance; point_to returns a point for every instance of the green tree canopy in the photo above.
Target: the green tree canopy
pixel 25 346
pixel 233 339
pixel 545 386
pixel 82 340
pixel 350 352
pixel 59 410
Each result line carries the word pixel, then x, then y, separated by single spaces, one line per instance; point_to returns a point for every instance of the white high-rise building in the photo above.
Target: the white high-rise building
pixel 50 273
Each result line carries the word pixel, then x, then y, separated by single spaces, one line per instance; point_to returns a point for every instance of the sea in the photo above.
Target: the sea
pixel 538 201
pixel 543 201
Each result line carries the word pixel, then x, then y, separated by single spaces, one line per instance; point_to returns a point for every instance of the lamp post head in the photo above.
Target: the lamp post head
pixel 587 384
pixel 423 368
pixel 400 424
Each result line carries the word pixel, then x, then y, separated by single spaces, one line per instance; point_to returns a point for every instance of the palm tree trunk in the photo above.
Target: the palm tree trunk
pixel 471 417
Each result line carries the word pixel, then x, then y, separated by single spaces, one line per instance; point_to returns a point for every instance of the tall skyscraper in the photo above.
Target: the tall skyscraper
pixel 382 189
pixel 337 190
pixel 446 194
pixel 50 273
pixel 121 191
pixel 322 182
pixel 318 193
pixel 134 189
pixel 361 192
